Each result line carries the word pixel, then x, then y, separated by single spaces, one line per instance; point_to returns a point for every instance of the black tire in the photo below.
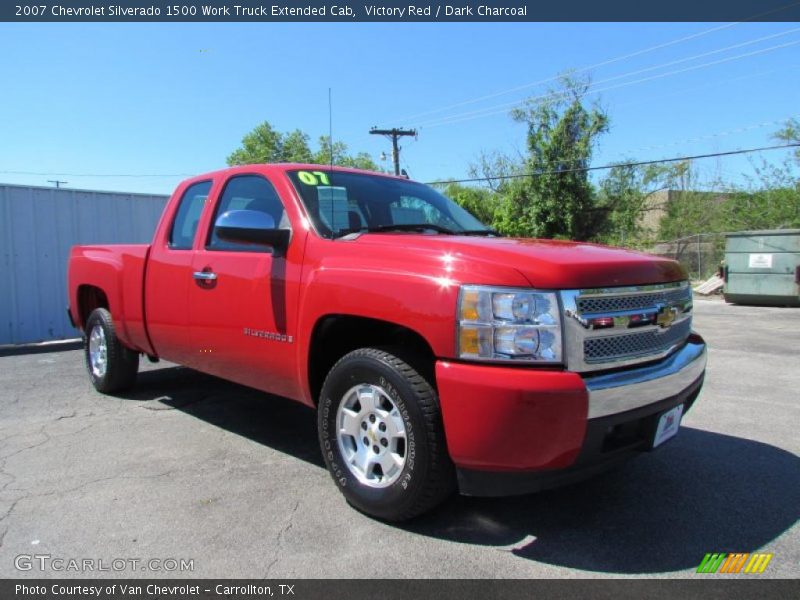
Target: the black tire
pixel 427 477
pixel 122 363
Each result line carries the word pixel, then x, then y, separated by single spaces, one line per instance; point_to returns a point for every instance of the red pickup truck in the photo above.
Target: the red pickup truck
pixel 438 354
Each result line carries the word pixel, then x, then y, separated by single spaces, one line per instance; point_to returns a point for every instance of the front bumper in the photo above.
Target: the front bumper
pixel 517 430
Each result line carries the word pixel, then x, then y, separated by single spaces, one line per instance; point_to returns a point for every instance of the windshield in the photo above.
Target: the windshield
pixel 340 203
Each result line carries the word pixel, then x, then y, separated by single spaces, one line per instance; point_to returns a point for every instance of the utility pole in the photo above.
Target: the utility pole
pixel 394 134
pixel 57 182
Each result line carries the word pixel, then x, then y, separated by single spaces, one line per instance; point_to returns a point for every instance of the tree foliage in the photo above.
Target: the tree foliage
pixel 362 160
pixel 496 168
pixel 628 192
pixel 558 199
pixel 264 144
pixel 547 191
pixel 482 203
pixel 790 133
pixel 623 197
pixel 771 200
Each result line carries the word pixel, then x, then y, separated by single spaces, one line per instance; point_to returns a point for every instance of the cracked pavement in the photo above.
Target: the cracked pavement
pixel 188 466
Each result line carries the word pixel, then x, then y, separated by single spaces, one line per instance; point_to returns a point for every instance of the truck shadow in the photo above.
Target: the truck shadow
pixel 280 423
pixel 703 492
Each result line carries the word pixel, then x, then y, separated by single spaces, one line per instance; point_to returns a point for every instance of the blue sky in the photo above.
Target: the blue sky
pixel 174 99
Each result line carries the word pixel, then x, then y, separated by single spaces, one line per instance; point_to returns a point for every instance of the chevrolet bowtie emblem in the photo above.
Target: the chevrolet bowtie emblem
pixel 666 316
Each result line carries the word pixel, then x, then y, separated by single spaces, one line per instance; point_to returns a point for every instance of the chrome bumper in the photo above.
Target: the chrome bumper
pixel 634 388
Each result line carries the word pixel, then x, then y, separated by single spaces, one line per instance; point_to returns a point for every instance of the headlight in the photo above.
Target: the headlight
pixel 508 324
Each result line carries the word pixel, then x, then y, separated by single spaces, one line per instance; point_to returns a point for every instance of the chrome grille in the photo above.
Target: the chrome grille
pixel 614 327
pixel 652 341
pixel 607 304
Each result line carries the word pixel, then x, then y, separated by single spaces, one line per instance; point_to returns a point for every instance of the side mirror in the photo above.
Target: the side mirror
pixel 252 227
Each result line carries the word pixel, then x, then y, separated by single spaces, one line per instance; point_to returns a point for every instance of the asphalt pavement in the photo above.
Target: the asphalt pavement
pixel 191 469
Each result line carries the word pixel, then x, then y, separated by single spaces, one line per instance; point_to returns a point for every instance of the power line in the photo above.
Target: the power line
pixel 709 136
pixel 611 166
pixel 711 84
pixel 493 110
pixel 46 174
pixel 705 137
pixel 597 65
pixel 580 70
pixel 700 138
pixel 478 113
pixel 490 178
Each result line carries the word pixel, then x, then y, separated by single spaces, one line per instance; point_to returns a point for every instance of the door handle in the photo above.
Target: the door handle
pixel 205 276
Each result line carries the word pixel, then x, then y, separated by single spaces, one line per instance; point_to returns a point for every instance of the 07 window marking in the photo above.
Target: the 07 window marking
pixel 310 177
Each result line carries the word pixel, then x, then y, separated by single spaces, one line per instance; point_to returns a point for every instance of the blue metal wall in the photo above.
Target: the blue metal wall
pixel 38 225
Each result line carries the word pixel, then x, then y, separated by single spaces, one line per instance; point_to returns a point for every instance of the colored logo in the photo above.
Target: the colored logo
pixel 666 316
pixel 734 562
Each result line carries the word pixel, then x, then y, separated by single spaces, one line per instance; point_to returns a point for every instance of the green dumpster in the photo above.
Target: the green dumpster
pixel 763 267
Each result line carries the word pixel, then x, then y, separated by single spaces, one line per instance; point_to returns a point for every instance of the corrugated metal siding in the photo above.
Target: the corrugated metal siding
pixel 38 226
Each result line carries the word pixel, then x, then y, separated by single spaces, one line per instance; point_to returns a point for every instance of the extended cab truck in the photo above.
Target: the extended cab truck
pixel 438 355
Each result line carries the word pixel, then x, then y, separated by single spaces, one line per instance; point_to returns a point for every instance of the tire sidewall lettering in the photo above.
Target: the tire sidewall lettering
pixel 329 407
pixel 330 449
pixel 402 407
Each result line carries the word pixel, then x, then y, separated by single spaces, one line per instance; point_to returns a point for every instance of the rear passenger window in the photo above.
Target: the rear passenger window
pixel 184 226
pixel 247 192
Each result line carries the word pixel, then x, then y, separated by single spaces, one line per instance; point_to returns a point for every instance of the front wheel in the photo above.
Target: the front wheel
pixel 382 437
pixel 112 367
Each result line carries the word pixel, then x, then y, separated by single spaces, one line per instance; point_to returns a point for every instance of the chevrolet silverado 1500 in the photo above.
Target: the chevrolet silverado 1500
pixel 438 355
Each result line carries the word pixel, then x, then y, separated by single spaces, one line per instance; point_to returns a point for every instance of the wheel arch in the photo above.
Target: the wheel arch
pixel 90 297
pixel 334 335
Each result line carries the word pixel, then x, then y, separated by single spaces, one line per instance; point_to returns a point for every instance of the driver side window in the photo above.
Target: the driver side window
pixel 247 192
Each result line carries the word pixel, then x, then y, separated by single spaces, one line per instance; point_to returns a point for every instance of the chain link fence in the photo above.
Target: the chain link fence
pixel 700 254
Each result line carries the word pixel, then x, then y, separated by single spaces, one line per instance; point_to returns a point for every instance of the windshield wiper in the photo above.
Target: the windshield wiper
pixel 491 232
pixel 413 227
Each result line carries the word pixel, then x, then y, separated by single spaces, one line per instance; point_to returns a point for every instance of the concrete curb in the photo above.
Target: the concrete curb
pixel 41 347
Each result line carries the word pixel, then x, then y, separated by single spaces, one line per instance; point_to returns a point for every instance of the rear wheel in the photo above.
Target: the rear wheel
pixel 382 437
pixel 112 367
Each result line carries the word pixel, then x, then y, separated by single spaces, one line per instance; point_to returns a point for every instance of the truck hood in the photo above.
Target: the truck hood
pixel 546 264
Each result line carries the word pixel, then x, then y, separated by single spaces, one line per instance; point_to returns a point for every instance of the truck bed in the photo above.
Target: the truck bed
pixel 119 271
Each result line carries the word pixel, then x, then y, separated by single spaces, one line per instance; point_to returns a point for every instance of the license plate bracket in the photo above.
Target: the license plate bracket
pixel 668 424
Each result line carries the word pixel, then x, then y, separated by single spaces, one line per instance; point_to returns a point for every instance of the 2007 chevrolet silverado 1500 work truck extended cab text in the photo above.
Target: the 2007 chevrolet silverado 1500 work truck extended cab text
pixel 438 354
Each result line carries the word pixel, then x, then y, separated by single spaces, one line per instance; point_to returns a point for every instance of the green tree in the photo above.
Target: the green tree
pixel 265 144
pixel 790 133
pixel 775 208
pixel 770 200
pixel 496 169
pixel 688 210
pixel 628 192
pixel 558 200
pixel 482 203
pixel 295 147
pixel 622 198
pixel 362 160
pixel 262 145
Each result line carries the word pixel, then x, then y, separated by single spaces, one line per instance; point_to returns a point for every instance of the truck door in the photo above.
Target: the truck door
pixel 168 277
pixel 242 304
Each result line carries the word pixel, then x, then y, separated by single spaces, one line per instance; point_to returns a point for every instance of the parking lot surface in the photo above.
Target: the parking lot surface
pixel 187 466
